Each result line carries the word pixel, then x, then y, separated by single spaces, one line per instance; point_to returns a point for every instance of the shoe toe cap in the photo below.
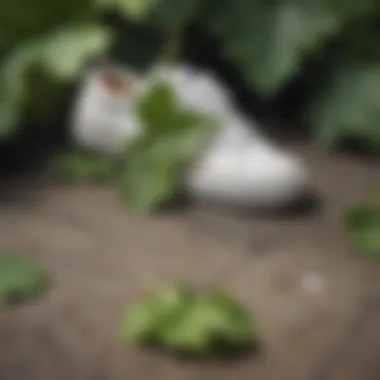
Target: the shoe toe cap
pixel 251 179
pixel 280 182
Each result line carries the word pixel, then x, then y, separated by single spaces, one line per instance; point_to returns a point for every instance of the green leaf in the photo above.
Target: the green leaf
pixel 353 8
pixel 191 334
pixel 268 42
pixel 158 109
pixel 146 321
pixel 178 321
pixel 173 13
pixel 139 322
pixel 133 9
pixel 348 105
pixel 12 88
pixel 173 302
pixel 21 23
pixel 150 178
pixel 20 279
pixel 174 137
pixel 210 321
pixel 65 53
pixel 60 55
pixel 172 296
pixel 363 226
pixel 236 325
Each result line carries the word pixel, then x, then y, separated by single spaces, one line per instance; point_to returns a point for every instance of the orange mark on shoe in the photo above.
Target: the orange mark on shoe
pixel 117 84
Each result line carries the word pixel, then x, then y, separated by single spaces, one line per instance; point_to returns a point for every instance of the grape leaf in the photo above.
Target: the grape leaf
pixel 20 279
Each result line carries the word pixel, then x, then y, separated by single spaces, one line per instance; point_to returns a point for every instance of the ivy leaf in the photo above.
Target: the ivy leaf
pixel 363 226
pixel 20 279
pixel 348 105
pixel 267 42
pixel 174 136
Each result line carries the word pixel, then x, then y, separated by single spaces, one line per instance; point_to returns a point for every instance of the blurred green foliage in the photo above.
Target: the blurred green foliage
pixel 272 44
pixel 362 224
pixel 174 318
pixel 44 46
pixel 268 42
pixel 20 279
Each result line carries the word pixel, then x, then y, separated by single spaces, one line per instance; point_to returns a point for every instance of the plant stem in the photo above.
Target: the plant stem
pixel 172 47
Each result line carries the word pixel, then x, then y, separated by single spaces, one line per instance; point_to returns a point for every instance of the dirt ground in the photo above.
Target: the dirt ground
pixel 317 302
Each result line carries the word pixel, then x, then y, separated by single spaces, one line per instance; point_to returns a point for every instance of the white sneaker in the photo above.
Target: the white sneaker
pixel 103 119
pixel 240 166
